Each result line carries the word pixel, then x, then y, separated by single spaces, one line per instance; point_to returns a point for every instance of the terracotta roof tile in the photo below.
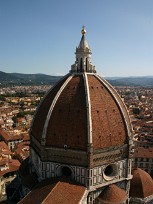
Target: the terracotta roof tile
pixel 37 196
pixel 38 124
pixel 141 184
pixel 113 194
pixel 9 137
pixel 65 193
pixel 4 149
pixel 13 165
pixel 68 123
pixel 108 127
pixel 142 152
pixel 54 193
pixel 22 151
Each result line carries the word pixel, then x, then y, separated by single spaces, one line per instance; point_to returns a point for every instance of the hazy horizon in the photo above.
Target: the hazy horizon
pixel 130 76
pixel 41 36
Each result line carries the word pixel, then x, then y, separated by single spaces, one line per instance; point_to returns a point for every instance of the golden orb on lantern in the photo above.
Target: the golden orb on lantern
pixel 83 31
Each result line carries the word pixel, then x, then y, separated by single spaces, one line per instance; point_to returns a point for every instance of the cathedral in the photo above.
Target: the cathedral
pixel 81 145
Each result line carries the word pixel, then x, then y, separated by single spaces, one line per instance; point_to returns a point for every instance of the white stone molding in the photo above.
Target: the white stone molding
pixel 52 107
pixel 88 107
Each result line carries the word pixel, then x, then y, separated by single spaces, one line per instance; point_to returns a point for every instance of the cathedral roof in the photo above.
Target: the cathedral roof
pixel 112 195
pixel 82 109
pixel 141 184
pixel 55 192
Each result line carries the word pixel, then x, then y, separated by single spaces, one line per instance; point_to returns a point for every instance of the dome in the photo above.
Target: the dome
pixel 112 195
pixel 84 115
pixel 81 109
pixel 81 132
pixel 141 184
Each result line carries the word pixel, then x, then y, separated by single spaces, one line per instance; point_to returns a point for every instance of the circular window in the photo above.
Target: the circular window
pixel 66 171
pixel 110 171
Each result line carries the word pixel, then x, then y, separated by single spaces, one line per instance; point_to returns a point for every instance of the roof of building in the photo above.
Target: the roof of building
pixel 62 118
pixel 62 192
pixel 9 136
pixel 82 109
pixel 13 165
pixel 22 151
pixel 142 152
pixel 113 194
pixel 4 149
pixel 141 184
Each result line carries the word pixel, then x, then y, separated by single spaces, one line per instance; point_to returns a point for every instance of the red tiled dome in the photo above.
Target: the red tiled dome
pixel 82 107
pixel 112 195
pixel 141 184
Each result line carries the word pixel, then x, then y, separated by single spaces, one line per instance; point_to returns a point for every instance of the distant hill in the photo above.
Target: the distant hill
pixel 38 79
pixel 27 79
pixel 146 81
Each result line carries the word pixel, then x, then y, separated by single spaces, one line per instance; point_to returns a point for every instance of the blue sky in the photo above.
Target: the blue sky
pixel 40 36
